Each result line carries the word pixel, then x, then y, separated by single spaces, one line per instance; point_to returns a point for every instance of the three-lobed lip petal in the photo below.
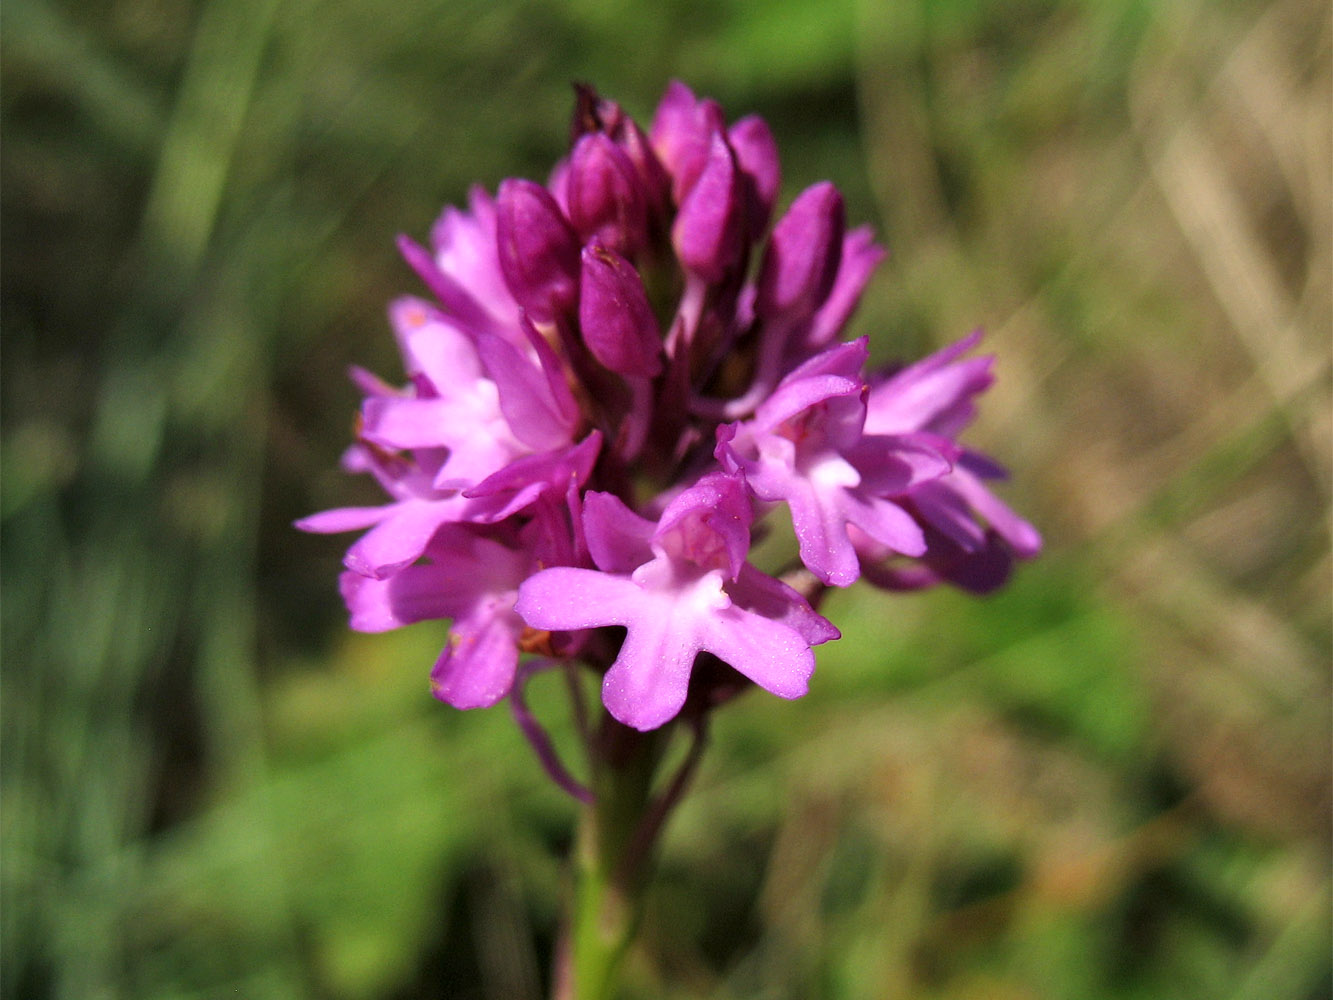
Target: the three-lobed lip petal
pixel 676 594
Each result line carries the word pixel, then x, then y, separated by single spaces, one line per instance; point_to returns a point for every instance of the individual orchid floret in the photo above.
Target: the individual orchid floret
pixel 482 430
pixel 805 447
pixel 937 396
pixel 678 588
pixel 537 249
pixel 451 405
pixel 476 395
pixel 470 578
pixel 617 322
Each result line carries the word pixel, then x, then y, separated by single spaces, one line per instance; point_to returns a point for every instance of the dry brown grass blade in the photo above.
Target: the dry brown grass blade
pixel 1187 148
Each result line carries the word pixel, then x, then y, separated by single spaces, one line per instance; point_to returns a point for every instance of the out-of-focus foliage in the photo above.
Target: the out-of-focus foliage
pixel 1110 781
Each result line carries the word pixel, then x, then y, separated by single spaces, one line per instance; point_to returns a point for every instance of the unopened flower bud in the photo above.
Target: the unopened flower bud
pixel 709 230
pixel 802 256
pixel 682 133
pixel 595 114
pixel 538 251
pixel 757 155
pixel 618 324
pixel 606 201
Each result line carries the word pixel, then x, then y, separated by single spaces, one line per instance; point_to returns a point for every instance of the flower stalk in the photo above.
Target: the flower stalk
pixel 611 862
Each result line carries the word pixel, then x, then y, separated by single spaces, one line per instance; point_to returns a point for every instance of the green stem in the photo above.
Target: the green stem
pixel 611 862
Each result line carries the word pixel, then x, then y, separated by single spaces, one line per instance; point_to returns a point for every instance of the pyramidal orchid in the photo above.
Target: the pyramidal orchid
pixel 614 380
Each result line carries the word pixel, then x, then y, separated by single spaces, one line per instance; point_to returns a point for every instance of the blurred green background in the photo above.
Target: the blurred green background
pixel 1109 781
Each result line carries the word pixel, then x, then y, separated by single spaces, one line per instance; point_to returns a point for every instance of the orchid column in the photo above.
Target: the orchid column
pixel 617 376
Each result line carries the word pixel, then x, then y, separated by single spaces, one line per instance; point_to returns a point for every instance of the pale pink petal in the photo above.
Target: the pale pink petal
pixel 566 598
pixel 333 522
pixel 647 684
pixel 476 668
pixel 772 655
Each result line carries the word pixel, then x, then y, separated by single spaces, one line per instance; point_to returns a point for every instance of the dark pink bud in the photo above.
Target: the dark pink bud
pixel 803 254
pixel 757 155
pixel 682 136
pixel 652 175
pixel 539 253
pixel 709 230
pixel 618 324
pixel 594 113
pixel 606 201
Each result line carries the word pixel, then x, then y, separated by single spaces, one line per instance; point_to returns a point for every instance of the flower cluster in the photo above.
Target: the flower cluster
pixel 619 373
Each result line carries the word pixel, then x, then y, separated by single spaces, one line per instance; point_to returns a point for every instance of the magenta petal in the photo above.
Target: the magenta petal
pixel 943 508
pixel 552 471
pixel 413 594
pixel 795 398
pixel 1022 536
pixel 895 463
pixel 369 383
pixel 773 599
pixel 557 385
pixel 887 523
pixel 757 156
pixel 843 360
pixel 451 294
pixel 820 524
pixel 860 256
pixel 709 524
pixel 926 395
pixel 464 248
pixel 656 184
pixel 433 345
pixel 680 134
pixel 411 423
pixel 606 199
